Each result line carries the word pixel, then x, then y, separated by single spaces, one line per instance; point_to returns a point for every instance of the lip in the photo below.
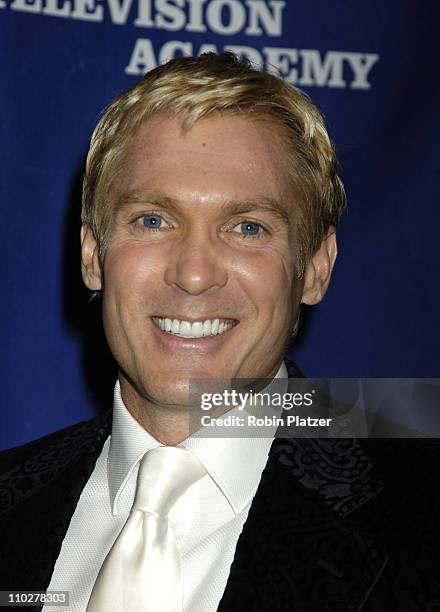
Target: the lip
pixel 203 343
pixel 195 319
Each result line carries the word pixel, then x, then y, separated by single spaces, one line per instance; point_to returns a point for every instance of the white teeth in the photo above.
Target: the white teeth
pixel 198 329
pixel 185 329
pixel 207 328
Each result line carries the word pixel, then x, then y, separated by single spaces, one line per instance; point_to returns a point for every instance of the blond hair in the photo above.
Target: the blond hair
pixel 193 88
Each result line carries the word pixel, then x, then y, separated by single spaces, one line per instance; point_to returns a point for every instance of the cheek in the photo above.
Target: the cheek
pixel 269 278
pixel 130 269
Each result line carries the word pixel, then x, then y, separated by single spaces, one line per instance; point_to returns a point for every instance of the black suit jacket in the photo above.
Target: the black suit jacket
pixel 335 526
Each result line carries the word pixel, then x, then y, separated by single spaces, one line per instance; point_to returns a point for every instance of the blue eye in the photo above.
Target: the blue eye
pixel 152 221
pixel 248 228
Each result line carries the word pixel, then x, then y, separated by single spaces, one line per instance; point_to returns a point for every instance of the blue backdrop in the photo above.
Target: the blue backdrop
pixel 372 67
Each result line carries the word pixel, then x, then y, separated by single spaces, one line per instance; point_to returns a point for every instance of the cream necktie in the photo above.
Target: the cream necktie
pixel 142 571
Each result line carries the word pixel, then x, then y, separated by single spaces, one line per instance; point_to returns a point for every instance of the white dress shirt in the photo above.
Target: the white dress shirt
pixel 207 520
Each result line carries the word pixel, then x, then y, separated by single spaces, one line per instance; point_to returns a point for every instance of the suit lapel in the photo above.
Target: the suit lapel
pixel 38 497
pixel 301 548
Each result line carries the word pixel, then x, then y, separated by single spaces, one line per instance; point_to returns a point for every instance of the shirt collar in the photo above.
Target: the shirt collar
pixel 235 464
pixel 129 441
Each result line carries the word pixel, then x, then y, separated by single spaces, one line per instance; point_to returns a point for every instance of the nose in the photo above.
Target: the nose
pixel 196 265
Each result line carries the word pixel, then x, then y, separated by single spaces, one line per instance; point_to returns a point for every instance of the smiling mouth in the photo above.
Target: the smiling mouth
pixel 194 329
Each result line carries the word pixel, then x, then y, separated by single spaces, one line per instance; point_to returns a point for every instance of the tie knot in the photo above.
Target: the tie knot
pixel 165 473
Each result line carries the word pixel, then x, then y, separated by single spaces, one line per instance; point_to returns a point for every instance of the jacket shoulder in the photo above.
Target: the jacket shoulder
pixel 407 455
pixel 66 435
pixel 28 466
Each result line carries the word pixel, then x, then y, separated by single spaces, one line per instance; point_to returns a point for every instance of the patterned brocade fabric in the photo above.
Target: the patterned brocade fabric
pixel 335 525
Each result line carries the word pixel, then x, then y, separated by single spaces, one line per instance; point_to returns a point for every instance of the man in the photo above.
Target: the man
pixel 210 201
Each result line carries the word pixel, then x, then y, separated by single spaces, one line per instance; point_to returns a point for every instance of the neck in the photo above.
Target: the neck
pixel 168 424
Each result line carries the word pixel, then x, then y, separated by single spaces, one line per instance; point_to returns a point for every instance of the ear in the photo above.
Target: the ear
pixel 319 269
pixel 90 265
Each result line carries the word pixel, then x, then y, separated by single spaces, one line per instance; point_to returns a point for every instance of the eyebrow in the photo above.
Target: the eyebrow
pixel 260 203
pixel 137 196
pixel 233 207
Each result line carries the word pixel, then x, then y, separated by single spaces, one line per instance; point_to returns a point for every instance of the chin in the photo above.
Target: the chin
pixel 183 388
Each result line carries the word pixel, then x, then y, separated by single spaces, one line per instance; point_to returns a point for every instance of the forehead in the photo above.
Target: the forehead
pixel 221 157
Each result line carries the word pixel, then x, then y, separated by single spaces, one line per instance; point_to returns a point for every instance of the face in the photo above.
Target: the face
pixel 199 274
